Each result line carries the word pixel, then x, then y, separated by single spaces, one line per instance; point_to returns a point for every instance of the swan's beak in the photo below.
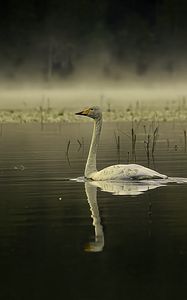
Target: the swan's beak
pixel 84 112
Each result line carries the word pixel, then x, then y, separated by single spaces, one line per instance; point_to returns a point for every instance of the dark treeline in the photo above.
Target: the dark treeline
pixel 52 37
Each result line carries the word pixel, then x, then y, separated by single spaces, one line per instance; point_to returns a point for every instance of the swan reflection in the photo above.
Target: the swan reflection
pixel 98 244
pixel 126 188
pixel 116 188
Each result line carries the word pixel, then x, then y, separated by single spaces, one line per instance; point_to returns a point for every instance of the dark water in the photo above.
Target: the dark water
pixel 133 247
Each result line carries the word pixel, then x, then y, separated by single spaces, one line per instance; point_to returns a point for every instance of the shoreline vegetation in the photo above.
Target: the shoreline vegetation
pixel 139 111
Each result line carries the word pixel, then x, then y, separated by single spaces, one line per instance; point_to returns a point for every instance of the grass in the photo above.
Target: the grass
pixel 175 110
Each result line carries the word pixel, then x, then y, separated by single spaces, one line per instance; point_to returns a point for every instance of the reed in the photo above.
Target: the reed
pixel 128 157
pixel 67 153
pixel 184 140
pixel 117 139
pixel 68 147
pixel 155 137
pixel 80 145
pixel 147 142
pixel 118 145
pixel 133 143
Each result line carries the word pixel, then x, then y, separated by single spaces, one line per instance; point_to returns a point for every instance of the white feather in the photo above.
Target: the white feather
pixel 130 171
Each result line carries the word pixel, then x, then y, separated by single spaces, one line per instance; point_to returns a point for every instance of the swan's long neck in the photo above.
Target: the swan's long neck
pixel 91 160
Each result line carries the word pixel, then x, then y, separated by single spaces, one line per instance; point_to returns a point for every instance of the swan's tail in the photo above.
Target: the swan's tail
pixel 178 180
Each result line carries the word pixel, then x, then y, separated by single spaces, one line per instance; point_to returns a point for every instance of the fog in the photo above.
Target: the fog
pixel 90 87
pixel 72 53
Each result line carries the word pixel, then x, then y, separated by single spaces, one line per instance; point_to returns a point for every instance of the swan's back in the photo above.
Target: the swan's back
pixel 125 172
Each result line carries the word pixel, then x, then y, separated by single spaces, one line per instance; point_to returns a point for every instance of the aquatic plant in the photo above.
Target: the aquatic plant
pixel 185 140
pixel 155 137
pixel 117 139
pixel 172 111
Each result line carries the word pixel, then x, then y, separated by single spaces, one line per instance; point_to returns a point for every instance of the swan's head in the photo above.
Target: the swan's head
pixel 93 112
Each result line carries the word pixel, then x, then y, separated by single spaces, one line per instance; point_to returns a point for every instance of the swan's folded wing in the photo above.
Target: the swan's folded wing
pixel 125 172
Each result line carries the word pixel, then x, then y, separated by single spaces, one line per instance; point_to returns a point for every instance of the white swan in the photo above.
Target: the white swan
pixel 115 172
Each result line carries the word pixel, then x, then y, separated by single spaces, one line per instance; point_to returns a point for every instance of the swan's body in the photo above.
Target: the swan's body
pixel 125 172
pixel 115 172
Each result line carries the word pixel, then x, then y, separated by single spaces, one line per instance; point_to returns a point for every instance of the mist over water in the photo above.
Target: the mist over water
pixel 95 78
pixel 83 52
pixel 73 94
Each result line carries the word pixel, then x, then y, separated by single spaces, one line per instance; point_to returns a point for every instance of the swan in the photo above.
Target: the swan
pixel 114 172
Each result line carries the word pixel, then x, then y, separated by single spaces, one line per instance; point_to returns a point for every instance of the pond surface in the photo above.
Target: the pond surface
pixel 63 239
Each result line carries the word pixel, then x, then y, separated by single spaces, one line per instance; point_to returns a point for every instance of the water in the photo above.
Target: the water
pixel 63 239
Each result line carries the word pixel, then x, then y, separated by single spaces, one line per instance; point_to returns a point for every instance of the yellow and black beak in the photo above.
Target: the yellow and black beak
pixel 84 112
